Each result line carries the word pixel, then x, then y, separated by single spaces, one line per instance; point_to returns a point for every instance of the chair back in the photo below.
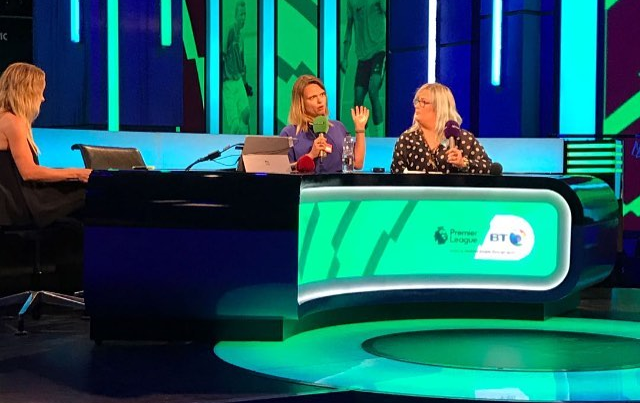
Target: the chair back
pixel 103 157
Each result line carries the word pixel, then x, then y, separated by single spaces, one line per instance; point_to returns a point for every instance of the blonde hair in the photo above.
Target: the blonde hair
pixel 21 86
pixel 444 105
pixel 298 115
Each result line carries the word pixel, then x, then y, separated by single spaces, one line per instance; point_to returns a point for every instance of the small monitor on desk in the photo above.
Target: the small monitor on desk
pixel 267 154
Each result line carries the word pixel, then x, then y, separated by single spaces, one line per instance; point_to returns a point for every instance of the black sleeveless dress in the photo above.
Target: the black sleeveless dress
pixel 35 203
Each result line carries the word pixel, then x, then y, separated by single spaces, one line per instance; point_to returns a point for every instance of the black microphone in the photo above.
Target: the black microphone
pixel 495 168
pixel 451 132
pixel 214 155
pixel 210 157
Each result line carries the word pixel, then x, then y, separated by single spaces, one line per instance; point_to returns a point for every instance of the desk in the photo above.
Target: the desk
pixel 185 254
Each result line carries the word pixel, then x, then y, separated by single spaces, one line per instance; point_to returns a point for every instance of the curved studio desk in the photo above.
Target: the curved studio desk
pixel 202 255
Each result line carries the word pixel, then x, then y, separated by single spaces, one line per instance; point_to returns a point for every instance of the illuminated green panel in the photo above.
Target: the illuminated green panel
pixel 355 239
pixel 622 117
pixel 632 208
pixel 297 47
pixel 609 3
pixel 239 65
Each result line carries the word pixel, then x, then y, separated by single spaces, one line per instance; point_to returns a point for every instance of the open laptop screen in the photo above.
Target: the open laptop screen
pixel 268 154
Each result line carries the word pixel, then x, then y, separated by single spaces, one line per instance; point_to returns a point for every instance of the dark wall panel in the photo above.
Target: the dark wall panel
pixel 407 60
pixel 15 32
pixel 150 74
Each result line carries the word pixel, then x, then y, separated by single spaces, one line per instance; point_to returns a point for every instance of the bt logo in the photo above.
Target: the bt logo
pixel 515 238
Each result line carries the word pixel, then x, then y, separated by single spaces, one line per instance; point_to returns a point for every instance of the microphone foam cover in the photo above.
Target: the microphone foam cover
pixel 320 124
pixel 495 168
pixel 451 129
pixel 305 164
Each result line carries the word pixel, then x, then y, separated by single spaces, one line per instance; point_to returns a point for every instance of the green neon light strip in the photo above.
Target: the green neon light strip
pixel 624 116
pixel 75 21
pixel 594 162
pixel 190 48
pixel 578 59
pixel 212 92
pixel 601 146
pixel 610 154
pixel 593 171
pixel 113 66
pixel 609 3
pixel 165 22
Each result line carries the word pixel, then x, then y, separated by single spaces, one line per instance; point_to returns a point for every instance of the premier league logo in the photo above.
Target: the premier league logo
pixel 441 236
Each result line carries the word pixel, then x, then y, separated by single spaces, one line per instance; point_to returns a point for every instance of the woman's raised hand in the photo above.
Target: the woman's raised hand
pixel 360 115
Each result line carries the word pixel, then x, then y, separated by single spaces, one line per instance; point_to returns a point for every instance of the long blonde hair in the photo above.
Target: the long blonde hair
pixel 21 86
pixel 298 115
pixel 443 104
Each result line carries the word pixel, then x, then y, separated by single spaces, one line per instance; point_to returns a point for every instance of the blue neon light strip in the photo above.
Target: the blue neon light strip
pixel 578 48
pixel 213 67
pixel 113 66
pixel 329 67
pixel 496 43
pixel 75 20
pixel 267 95
pixel 165 22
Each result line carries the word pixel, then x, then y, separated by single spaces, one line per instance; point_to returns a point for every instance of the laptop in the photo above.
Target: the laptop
pixel 269 154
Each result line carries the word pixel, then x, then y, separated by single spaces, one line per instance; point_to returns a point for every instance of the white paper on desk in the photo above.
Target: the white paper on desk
pixel 406 171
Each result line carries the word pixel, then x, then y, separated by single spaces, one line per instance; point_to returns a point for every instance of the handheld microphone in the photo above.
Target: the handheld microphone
pixel 451 132
pixel 495 168
pixel 305 164
pixel 320 127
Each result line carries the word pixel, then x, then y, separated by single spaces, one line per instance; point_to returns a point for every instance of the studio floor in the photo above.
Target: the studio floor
pixel 386 361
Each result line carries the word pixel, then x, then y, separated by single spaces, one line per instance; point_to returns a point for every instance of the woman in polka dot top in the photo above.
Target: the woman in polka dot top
pixel 423 147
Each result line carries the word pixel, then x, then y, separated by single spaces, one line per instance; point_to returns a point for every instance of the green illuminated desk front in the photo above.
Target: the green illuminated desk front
pixel 453 238
pixel 225 247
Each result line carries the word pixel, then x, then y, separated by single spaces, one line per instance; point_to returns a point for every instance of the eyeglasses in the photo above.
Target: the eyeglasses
pixel 421 102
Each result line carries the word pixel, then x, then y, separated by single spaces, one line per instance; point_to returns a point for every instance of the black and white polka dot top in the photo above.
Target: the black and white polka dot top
pixel 413 154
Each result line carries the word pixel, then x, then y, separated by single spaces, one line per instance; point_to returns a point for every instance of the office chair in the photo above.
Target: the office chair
pixel 103 157
pixel 31 300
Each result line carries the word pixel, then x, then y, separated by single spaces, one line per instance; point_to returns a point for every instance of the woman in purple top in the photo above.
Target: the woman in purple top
pixel 308 101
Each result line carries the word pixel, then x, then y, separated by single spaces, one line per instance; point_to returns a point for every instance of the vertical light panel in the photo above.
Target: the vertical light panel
pixel 212 96
pixel 74 6
pixel 578 58
pixel 432 44
pixel 329 49
pixel 267 55
pixel 113 66
pixel 165 22
pixel 496 43
pixel 191 50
